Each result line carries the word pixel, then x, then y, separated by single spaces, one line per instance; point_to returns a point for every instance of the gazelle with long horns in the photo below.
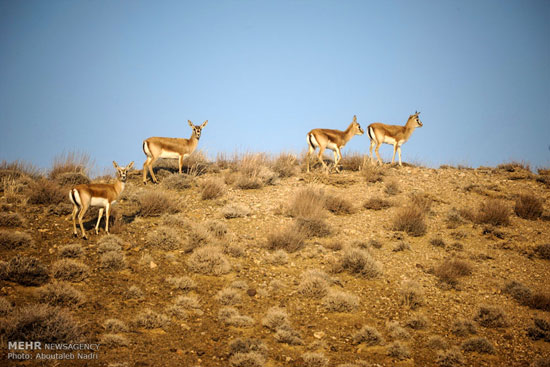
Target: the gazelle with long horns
pixel 334 140
pixel 98 194
pixel 391 134
pixel 176 148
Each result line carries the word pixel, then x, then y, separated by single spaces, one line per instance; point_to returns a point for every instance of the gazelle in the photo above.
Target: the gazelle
pixel 155 148
pixel 391 134
pixel 98 194
pixel 334 140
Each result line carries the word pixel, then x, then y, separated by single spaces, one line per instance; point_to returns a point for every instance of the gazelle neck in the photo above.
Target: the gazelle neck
pixel 348 133
pixel 119 186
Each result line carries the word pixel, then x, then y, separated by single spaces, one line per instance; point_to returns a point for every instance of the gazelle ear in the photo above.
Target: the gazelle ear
pixel 204 124
pixel 115 164
pixel 190 123
pixel 354 118
pixel 130 165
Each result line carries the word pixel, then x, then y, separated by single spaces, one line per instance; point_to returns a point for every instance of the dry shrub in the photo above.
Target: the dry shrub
pixel 372 173
pixel 392 188
pixel 410 219
pixel 115 326
pixel 368 335
pixel 276 318
pixel 450 270
pixel 436 342
pixel 422 201
pixel 490 317
pixel 45 192
pixel 338 301
pixel 134 292
pixel 307 203
pixel 72 251
pixel 229 296
pixel 70 270
pixel 314 284
pixel 164 238
pixel 149 319
pixel 338 205
pixel 543 251
pixel 174 220
pixel 360 262
pixel 71 162
pixel 417 322
pixel 314 359
pixel 196 163
pixel 377 204
pixel 197 237
pixel 478 345
pixel 72 179
pixel 109 243
pixel 352 162
pixel 10 220
pixel 254 172
pixel 278 257
pixel 25 271
pixel 183 283
pixel 398 350
pixel 249 359
pixel 43 323
pixel 114 341
pixel 209 260
pixel 113 260
pixel 518 291
pixel 312 227
pixel 541 330
pixel 450 358
pixel 178 182
pixel 212 189
pixel 230 316
pixel 286 165
pixel 514 166
pixel 60 294
pixel 437 242
pixel 540 301
pixel 494 212
pixel 528 206
pixel 289 336
pixel 396 331
pixel 401 246
pixel 541 362
pixel 13 240
pixel 247 352
pixel 453 219
pixel 462 327
pixel 235 210
pixel 216 228
pixel 287 239
pixel 155 203
pixel 412 295
pixel 17 169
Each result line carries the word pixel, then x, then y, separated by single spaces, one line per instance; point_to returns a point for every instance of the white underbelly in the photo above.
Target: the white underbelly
pixel 165 154
pixel 332 146
pixel 389 140
pixel 99 202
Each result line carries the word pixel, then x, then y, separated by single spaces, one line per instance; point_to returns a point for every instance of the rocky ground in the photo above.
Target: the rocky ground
pixel 209 278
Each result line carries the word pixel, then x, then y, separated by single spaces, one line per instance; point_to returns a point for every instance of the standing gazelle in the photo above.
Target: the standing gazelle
pixel 391 134
pixel 98 194
pixel 156 147
pixel 331 139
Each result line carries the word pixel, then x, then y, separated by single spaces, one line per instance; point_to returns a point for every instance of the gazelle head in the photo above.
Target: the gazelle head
pixel 197 128
pixel 355 127
pixel 416 119
pixel 122 172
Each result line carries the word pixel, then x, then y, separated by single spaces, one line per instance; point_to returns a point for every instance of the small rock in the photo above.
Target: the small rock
pixel 319 334
pixel 152 265
pixel 251 292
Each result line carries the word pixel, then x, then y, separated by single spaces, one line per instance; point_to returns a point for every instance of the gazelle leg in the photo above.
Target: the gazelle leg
pixel 320 157
pixel 80 216
pixel 145 167
pixel 98 220
pixel 377 153
pixel 399 151
pixel 394 150
pixel 75 210
pixel 153 160
pixel 107 215
pixel 372 143
pixel 180 162
pixel 308 156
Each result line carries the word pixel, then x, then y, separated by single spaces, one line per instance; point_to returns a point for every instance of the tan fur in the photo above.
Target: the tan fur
pixel 334 140
pixel 83 196
pixel 379 133
pixel 153 148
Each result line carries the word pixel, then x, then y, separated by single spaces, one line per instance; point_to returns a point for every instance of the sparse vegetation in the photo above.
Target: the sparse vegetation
pixel 491 317
pixel 149 319
pixel 287 239
pixel 377 204
pixel 410 219
pixel 70 270
pixel 338 205
pixel 10 220
pixel 392 188
pixel 338 301
pixel 12 240
pixel 71 251
pixel 25 271
pixel 360 262
pixel 154 203
pixel 540 331
pixel 60 294
pixel 450 270
pixel 235 210
pixel 450 358
pixel 543 251
pixel 528 206
pixel 479 345
pixel 113 260
pixel 411 294
pixel 178 182
pixel 314 359
pixel 463 327
pixel 164 238
pixel 212 189
pixel 398 350
pixel 45 192
pixel 494 212
pixel 368 335
pixel 209 260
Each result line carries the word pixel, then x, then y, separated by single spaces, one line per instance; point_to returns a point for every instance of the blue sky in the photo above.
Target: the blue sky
pixel 100 76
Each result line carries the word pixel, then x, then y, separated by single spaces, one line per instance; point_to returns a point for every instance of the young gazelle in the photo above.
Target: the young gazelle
pixel 155 148
pixel 391 134
pixel 98 194
pixel 331 139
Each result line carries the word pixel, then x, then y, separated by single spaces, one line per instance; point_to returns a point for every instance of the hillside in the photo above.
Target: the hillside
pixel 253 262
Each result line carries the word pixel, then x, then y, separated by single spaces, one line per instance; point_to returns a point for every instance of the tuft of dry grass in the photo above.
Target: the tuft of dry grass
pixel 45 192
pixel 276 318
pixel 183 283
pixel 338 301
pixel 338 205
pixel 247 352
pixel 540 331
pixel 422 200
pixel 235 210
pixel 307 203
pixel 478 345
pixel 178 182
pixel 5 306
pixel 392 188
pixel 314 359
pixel 249 359
pixel 372 173
pixel 114 341
pixel 450 270
pixel 437 342
pixel 360 262
pixel 212 189
pixel 72 162
pixel 70 270
pixel 314 284
pixel 398 350
pixel 11 220
pixel 229 296
pixel 286 165
pixel 134 292
pixel 312 227
pixel 412 295
pixel 462 327
pixel 13 240
pixel 197 237
pixel 417 322
pixel 25 271
pixel 115 326
pixel 450 358
pixel 164 238
pixel 42 323
pixel 397 332
pixel 514 166
pixel 410 219
pixel 287 239
pixel 154 203
pixel 209 260
pixel 368 335
pixel 109 243
pixel 352 162
pixel 112 260
pixel 528 206
pixel 149 319
pixel 231 316
pixel 60 294
pixel 490 317
pixel 377 204
pixel 543 251
pixel 71 251
pixel 494 212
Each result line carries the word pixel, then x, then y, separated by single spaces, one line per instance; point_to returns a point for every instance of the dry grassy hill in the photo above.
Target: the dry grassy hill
pixel 252 262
